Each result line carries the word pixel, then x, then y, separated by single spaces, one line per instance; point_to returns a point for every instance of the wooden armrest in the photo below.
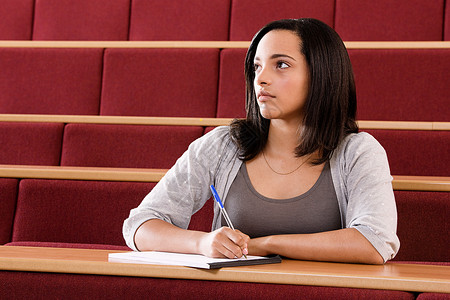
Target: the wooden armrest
pixel 210 44
pixel 407 183
pixel 186 121
pixel 82 173
pixel 421 183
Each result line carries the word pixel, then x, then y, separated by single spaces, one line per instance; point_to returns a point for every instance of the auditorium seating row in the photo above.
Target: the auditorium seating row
pixel 218 20
pixel 78 213
pixel 392 84
pixel 410 152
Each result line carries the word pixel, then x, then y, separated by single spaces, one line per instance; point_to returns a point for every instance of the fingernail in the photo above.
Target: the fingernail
pixel 245 251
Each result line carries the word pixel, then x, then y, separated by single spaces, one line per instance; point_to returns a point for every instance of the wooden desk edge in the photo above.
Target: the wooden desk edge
pixel 237 274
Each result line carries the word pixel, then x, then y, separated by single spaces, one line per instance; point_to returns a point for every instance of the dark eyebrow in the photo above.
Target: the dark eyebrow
pixel 278 56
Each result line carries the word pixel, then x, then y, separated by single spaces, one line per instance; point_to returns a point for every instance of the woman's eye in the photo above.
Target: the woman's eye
pixel 282 65
pixel 255 67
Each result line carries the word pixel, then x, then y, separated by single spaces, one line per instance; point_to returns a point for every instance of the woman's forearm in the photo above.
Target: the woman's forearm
pixel 344 245
pixel 158 235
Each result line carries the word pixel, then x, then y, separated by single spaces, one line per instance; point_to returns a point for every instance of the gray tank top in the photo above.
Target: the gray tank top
pixel 317 210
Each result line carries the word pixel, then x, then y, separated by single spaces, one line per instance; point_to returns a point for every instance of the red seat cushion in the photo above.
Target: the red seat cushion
pixel 402 84
pixel 87 20
pixel 419 153
pixel 200 20
pixel 50 81
pixel 381 20
pixel 8 196
pixel 17 19
pixel 248 16
pixel 423 225
pixel 65 211
pixel 126 145
pixel 160 82
pixel 31 143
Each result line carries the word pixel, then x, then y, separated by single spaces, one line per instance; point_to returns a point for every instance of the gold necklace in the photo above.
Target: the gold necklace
pixel 279 173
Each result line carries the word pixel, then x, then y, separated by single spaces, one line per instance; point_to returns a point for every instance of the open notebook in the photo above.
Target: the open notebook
pixel 189 260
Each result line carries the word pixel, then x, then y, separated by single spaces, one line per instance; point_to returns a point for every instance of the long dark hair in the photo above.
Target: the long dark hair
pixel 330 108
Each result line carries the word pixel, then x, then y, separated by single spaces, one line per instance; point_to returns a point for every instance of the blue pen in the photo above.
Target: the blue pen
pixel 222 209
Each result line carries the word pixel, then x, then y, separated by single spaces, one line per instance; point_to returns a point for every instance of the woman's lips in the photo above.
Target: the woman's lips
pixel 264 96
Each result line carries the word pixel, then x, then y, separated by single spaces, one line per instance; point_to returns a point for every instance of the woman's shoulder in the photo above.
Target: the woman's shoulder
pixel 213 140
pixel 216 135
pixel 218 132
pixel 357 144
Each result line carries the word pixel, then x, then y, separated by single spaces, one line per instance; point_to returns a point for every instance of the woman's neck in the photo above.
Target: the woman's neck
pixel 283 138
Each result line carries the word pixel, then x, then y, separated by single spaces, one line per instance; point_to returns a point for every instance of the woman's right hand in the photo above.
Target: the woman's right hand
pixel 224 243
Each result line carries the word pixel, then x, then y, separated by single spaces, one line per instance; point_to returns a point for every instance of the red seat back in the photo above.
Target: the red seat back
pixel 199 20
pixel 383 20
pixel 423 226
pixel 17 19
pixel 231 100
pixel 248 16
pixel 416 153
pixel 87 20
pixel 402 84
pixel 31 143
pixel 160 82
pixel 89 212
pixel 50 81
pixel 126 146
pixel 8 197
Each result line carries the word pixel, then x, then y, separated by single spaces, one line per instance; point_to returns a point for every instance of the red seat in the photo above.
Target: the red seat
pixel 50 81
pixel 160 82
pixel 82 286
pixel 31 143
pixel 202 219
pixel 248 16
pixel 126 145
pixel 86 20
pixel 382 20
pixel 416 153
pixel 395 84
pixel 200 20
pixel 17 19
pixel 402 84
pixel 65 211
pixel 423 226
pixel 8 196
pixel 231 100
pixel 447 22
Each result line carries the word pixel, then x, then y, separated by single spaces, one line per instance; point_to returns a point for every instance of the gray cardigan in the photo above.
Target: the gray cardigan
pixel 359 169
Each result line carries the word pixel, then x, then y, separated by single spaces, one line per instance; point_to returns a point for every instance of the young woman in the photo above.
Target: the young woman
pixel 295 176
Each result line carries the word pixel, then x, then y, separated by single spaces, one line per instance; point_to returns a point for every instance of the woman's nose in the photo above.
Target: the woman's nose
pixel 262 77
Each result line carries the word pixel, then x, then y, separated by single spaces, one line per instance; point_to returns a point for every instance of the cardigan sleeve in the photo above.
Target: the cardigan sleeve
pixel 371 207
pixel 183 190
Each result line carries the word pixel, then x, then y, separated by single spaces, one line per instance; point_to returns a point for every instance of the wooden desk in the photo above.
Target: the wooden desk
pixel 392 276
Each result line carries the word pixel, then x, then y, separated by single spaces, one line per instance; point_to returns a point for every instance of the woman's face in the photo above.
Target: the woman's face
pixel 281 76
